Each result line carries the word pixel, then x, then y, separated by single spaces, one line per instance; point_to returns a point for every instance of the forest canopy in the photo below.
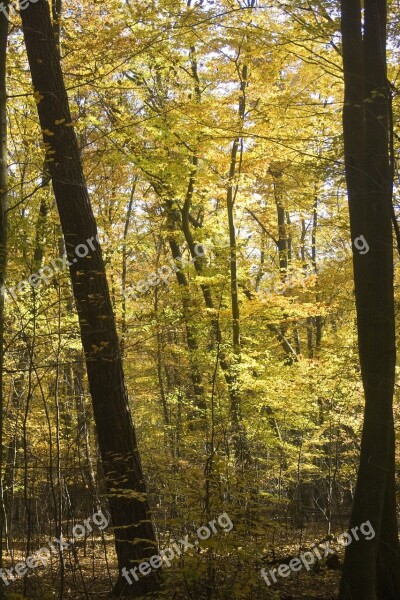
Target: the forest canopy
pixel 196 333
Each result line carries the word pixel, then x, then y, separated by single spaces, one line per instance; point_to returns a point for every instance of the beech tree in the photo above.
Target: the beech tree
pixel 372 568
pixel 134 534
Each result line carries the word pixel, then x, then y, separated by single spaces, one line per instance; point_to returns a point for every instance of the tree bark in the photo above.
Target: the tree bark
pixel 124 326
pixel 195 374
pixel 234 170
pixel 134 533
pixel 371 568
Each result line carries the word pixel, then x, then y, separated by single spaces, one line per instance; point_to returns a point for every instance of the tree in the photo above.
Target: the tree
pixel 134 534
pixel 371 568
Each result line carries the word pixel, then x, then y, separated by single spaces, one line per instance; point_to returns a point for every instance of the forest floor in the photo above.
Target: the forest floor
pixel 88 574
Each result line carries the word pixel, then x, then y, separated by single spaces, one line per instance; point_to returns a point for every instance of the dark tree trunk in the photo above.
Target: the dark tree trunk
pixel 134 534
pixel 371 568
pixel 318 318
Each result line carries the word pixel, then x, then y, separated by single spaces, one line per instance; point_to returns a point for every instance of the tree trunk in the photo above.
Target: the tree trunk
pixel 124 326
pixel 241 448
pixel 234 169
pixel 371 568
pixel 134 534
pixel 195 374
pixel 318 318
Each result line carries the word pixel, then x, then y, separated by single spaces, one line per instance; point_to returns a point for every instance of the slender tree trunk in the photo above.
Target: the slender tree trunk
pixel 163 395
pixel 11 461
pixel 217 337
pixel 318 318
pixel 234 170
pixel 82 433
pixel 124 327
pixel 195 374
pixel 134 533
pixel 371 568
pixel 291 354
pixel 282 227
